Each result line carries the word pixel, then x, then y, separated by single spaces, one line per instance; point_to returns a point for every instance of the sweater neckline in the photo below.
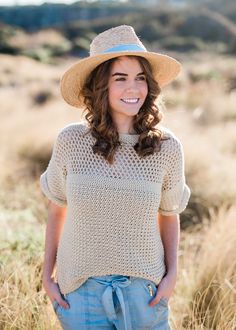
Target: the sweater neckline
pixel 124 137
pixel 128 138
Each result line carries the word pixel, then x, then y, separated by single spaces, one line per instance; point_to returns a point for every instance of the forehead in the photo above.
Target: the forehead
pixel 126 63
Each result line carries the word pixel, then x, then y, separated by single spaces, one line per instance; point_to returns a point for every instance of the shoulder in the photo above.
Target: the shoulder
pixel 78 127
pixel 68 132
pixel 170 139
pixel 171 146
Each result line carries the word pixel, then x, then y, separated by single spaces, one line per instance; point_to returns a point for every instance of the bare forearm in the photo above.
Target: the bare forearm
pixel 170 232
pixel 56 219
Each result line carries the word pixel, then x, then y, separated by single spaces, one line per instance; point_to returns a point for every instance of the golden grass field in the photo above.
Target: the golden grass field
pixel 200 110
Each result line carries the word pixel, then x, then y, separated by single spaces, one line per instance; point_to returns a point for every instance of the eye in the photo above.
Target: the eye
pixel 142 78
pixel 120 79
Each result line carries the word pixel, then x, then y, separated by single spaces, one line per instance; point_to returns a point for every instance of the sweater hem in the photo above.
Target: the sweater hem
pixel 81 281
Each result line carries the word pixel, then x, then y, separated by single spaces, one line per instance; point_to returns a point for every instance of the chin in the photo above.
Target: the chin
pixel 131 113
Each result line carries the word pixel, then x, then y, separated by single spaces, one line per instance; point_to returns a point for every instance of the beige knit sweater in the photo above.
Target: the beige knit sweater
pixel 111 224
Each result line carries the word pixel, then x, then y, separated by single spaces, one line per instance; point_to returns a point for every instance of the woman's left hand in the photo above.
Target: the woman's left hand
pixel 164 289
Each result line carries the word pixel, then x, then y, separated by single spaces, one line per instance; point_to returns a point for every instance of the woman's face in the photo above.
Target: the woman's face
pixel 127 86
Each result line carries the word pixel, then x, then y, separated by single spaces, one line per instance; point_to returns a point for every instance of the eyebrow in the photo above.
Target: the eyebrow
pixel 125 74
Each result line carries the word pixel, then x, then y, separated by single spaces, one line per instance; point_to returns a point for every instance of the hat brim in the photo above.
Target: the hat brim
pixel 164 68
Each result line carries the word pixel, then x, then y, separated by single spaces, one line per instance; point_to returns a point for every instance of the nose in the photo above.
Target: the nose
pixel 131 86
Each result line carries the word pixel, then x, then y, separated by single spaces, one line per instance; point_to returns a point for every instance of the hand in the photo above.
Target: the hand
pixel 164 289
pixel 53 291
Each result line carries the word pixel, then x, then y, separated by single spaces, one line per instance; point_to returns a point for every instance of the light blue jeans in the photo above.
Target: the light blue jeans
pixel 113 302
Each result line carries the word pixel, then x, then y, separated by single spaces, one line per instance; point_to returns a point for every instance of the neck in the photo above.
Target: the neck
pixel 124 124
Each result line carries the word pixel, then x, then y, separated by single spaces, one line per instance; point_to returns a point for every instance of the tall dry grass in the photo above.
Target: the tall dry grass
pixel 205 296
pixel 23 303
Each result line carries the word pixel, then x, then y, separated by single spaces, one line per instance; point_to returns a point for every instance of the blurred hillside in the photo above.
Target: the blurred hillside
pixel 51 30
pixel 33 17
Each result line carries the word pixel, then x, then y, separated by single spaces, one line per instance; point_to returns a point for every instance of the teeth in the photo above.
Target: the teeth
pixel 130 100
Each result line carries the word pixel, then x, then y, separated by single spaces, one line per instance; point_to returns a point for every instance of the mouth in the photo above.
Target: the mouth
pixel 130 101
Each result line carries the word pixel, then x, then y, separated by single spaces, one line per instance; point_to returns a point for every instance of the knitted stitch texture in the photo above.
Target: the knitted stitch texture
pixel 111 224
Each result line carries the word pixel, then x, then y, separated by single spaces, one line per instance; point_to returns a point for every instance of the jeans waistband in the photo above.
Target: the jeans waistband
pixel 114 283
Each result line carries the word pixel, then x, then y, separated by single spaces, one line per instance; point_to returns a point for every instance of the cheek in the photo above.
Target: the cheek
pixel 146 89
pixel 112 97
pixel 113 93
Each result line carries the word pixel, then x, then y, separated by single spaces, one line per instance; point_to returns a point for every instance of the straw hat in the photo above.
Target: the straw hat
pixel 118 41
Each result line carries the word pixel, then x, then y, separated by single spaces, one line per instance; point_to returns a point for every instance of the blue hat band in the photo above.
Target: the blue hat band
pixel 125 47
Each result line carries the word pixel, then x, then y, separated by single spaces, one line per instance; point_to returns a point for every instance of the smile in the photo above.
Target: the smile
pixel 130 101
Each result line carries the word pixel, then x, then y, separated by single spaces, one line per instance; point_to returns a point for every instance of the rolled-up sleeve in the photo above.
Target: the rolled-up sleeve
pixel 53 180
pixel 175 192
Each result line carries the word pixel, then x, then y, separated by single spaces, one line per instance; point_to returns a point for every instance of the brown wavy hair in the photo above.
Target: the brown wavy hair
pixel 101 124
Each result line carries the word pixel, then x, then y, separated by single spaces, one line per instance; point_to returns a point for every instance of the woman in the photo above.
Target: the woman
pixel 116 184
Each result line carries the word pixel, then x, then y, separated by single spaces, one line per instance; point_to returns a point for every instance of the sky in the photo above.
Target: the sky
pixel 31 2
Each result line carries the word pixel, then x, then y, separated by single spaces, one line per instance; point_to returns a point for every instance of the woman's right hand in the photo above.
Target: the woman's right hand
pixel 53 292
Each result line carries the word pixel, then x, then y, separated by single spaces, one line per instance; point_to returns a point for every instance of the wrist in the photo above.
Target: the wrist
pixel 47 278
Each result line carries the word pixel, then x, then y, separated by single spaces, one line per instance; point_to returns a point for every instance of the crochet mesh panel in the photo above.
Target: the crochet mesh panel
pixel 111 224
